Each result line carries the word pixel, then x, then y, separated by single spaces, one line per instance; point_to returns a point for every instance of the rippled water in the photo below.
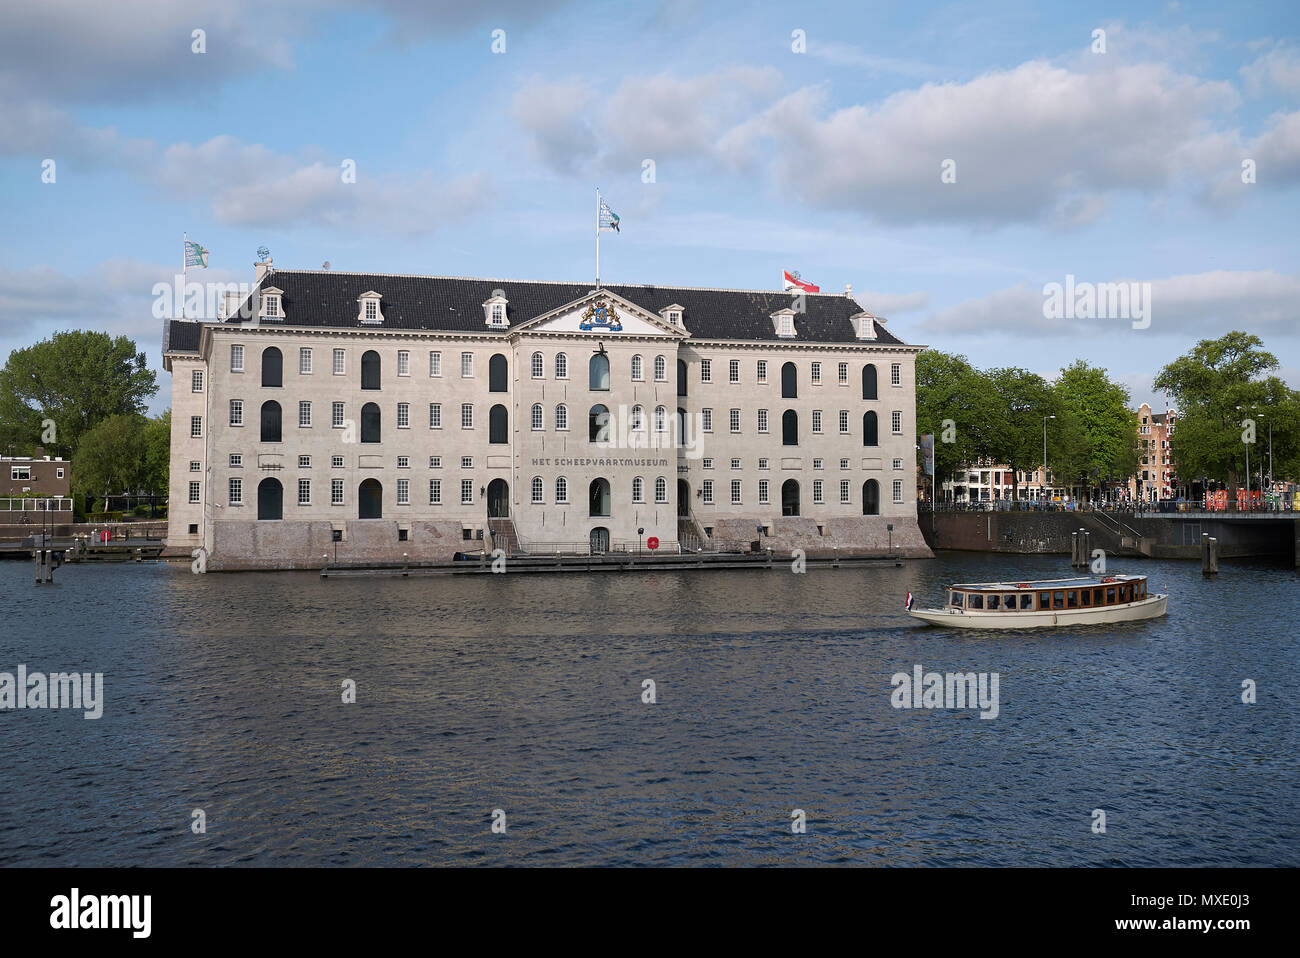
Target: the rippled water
pixel 524 693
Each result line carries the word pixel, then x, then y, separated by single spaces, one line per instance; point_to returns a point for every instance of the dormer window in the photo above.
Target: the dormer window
pixel 370 313
pixel 271 306
pixel 673 314
pixel 864 325
pixel 494 310
pixel 783 322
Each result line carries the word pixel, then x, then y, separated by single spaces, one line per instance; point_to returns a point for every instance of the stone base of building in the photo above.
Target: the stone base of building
pixel 869 535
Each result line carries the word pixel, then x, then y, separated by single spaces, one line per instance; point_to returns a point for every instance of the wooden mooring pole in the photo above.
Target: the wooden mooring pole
pixel 1209 554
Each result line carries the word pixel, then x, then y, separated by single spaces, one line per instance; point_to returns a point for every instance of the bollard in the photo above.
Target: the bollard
pixel 1087 549
pixel 1209 554
pixel 1214 556
pixel 1074 550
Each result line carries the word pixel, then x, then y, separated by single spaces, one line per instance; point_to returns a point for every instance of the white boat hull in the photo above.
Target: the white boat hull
pixel 1150 607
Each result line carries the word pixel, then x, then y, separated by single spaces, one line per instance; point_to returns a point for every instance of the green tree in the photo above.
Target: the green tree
pixel 954 403
pixel 157 453
pixel 111 457
pixel 1016 435
pixel 1106 428
pixel 76 378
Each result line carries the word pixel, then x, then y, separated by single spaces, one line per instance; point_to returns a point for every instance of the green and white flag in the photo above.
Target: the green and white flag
pixel 195 255
pixel 608 218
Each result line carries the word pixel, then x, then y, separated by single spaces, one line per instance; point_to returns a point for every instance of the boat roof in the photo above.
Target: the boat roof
pixel 1079 582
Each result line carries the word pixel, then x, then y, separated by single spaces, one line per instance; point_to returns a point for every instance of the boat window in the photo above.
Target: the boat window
pixel 1009 602
pixel 1110 595
pixel 1044 600
pixel 1026 600
pixel 995 602
pixel 1058 600
pixel 1087 596
pixel 974 601
pixel 1141 589
pixel 1096 597
pixel 1072 599
pixel 1127 594
pixel 955 600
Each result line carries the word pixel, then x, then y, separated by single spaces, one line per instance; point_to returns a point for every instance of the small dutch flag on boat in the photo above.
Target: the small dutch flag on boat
pixel 909 602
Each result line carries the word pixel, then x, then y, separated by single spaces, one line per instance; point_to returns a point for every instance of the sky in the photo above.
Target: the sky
pixel 949 161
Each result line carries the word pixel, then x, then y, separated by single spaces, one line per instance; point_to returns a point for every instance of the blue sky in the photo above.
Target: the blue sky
pixel 1117 166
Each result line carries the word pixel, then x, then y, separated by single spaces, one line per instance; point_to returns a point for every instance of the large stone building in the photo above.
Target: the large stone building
pixel 366 417
pixel 1155 479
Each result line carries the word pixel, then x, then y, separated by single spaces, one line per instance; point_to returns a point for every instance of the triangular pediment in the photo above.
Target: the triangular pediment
pixel 603 313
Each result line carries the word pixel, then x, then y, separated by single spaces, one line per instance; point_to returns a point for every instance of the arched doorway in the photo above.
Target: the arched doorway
pixel 789 382
pixel 870 429
pixel 270 421
pixel 370 422
pixel 599 540
pixel 498 425
pixel 871 498
pixel 272 367
pixel 869 381
pixel 498 496
pixel 681 377
pixel 790 498
pixel 683 497
pixel 370 369
pixel 598 424
pixel 599 497
pixel 789 428
pixel 270 499
pixel 598 373
pixel 498 374
pixel 370 500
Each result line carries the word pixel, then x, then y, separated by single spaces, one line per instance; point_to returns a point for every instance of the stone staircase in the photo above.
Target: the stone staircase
pixel 504 536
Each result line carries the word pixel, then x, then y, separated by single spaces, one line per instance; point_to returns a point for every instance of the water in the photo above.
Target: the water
pixel 524 693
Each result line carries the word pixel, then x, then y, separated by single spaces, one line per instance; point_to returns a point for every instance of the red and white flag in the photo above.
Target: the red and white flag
pixel 908 603
pixel 792 279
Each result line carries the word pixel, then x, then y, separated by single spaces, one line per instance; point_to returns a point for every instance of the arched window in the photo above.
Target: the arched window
pixel 598 370
pixel 638 373
pixel 538 488
pixel 498 374
pixel 539 365
pixel 871 498
pixel 271 421
pixel 661 369
pixel 370 500
pixel 270 499
pixel 790 498
pixel 638 489
pixel 661 418
pixel 561 366
pixel 789 381
pixel 789 428
pixel 681 377
pixel 870 430
pixel 272 367
pixel 681 425
pixel 599 497
pixel 498 425
pixel 561 417
pixel 661 489
pixel 370 421
pixel 598 424
pixel 637 419
pixel 869 382
pixel 536 421
pixel 370 369
pixel 561 489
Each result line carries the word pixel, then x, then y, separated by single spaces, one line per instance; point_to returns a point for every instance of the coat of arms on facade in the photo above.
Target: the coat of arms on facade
pixel 600 315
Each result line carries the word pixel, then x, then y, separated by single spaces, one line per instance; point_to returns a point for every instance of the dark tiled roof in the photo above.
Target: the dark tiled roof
pixel 326 298
pixel 181 336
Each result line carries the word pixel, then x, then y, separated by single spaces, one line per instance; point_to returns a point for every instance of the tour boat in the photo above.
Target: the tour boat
pixel 1087 600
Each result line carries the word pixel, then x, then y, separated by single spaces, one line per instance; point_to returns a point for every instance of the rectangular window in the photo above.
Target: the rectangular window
pixel 706 370
pixel 467 462
pixel 466 365
pixel 762 491
pixel 336 492
pixel 304 462
pixel 435 415
pixel 816 373
pixel 844 464
pixel 304 361
pixel 336 415
pixel 817 490
pixel 898 464
pixel 403 415
pixel 236 492
pixel 735 463
pixel 895 374
pixel 844 491
pixel 304 413
pixel 236 412
pixel 844 374
pixel 733 371
pixel 762 463
pixel 435 492
pixel 194 492
pixel 896 419
pixel 706 420
pixel 196 427
pixel 706 487
pixel 195 466
pixel 844 420
pixel 735 492
pixel 403 492
pixel 435 462
pixel 467 415
pixel 762 420
pixel 898 490
pixel 762 370
pixel 466 491
pixel 817 421
pixel 236 359
pixel 336 462
pixel 403 462
pixel 403 362
pixel 196 381
pixel 304 492
pixel 435 363
pixel 735 420
pixel 706 462
pixel 236 461
pixel 372 310
pixel 339 367
pixel 817 463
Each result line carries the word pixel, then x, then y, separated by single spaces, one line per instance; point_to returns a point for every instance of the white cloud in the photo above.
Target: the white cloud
pixel 1276 69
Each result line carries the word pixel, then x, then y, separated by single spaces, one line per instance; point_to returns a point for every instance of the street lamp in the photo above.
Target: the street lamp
pixel 1247 445
pixel 1043 485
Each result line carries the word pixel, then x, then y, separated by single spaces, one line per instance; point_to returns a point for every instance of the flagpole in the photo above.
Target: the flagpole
pixel 185 258
pixel 598 237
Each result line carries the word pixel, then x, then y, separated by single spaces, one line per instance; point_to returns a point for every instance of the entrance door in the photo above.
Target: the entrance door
pixel 871 498
pixel 498 499
pixel 370 500
pixel 599 540
pixel 790 498
pixel 683 497
pixel 270 499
